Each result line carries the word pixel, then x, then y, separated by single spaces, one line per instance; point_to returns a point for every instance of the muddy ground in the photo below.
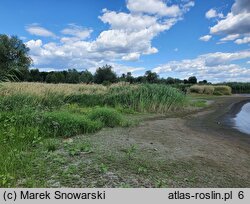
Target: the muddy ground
pixel 192 150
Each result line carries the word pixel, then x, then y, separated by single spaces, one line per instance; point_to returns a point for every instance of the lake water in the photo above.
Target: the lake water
pixel 242 119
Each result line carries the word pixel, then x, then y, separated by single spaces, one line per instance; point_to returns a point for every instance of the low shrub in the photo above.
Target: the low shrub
pixel 211 90
pixel 197 89
pixel 202 89
pixel 66 124
pixel 108 116
pixel 222 90
pixel 85 99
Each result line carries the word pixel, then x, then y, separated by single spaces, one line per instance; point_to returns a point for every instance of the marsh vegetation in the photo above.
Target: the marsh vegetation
pixel 37 116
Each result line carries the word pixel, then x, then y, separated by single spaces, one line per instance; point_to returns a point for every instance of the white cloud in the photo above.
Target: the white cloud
pixel 39 31
pixel 241 6
pixel 205 38
pixel 120 69
pixel 77 31
pixel 212 13
pixel 131 33
pixel 127 21
pixel 131 57
pixel 215 67
pixel 128 37
pixel 233 24
pixel 157 7
pixel 237 20
pixel 219 58
pixel 230 37
pixel 243 40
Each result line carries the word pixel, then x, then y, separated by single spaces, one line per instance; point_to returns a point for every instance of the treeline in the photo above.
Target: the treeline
pixel 15 63
pixel 103 75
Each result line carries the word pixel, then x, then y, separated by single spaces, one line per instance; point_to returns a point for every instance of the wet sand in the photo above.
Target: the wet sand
pixel 217 119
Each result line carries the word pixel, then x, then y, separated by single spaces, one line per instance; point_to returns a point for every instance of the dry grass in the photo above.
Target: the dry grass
pixel 211 90
pixel 202 89
pixel 222 90
pixel 41 89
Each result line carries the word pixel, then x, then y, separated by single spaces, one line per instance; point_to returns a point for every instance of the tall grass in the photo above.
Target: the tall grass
pixel 140 98
pixel 211 90
pixel 146 98
pixel 153 98
pixel 41 89
pixel 29 113
pixel 202 89
pixel 222 90
pixel 239 87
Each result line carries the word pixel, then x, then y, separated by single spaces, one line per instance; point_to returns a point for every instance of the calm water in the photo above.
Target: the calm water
pixel 242 119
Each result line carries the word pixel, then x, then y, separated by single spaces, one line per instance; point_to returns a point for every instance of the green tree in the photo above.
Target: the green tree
pixel 51 78
pixel 105 74
pixel 86 77
pixel 151 77
pixel 170 80
pixel 192 80
pixel 130 78
pixel 35 75
pixel 55 77
pixel 73 76
pixel 13 56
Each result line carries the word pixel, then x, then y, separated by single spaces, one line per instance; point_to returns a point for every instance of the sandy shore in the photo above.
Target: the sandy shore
pixel 195 150
pixel 186 150
pixel 216 119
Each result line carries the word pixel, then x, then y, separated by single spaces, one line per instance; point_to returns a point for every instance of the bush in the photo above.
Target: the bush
pixel 210 90
pixel 202 89
pixel 66 124
pixel 85 99
pixel 197 89
pixel 108 116
pixel 222 90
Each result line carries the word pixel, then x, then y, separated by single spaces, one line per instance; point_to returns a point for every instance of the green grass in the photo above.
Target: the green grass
pixel 199 103
pixel 107 116
pixel 33 125
pixel 146 98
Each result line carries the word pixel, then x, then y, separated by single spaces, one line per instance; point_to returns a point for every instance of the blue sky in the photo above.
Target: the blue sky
pixel 180 38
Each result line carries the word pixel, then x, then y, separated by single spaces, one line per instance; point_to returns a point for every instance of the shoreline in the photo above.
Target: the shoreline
pixel 216 120
pixel 236 108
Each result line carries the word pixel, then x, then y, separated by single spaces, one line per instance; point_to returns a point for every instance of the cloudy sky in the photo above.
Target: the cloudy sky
pixel 179 38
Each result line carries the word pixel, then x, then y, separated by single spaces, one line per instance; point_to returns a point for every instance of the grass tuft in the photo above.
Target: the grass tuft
pixel 108 116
